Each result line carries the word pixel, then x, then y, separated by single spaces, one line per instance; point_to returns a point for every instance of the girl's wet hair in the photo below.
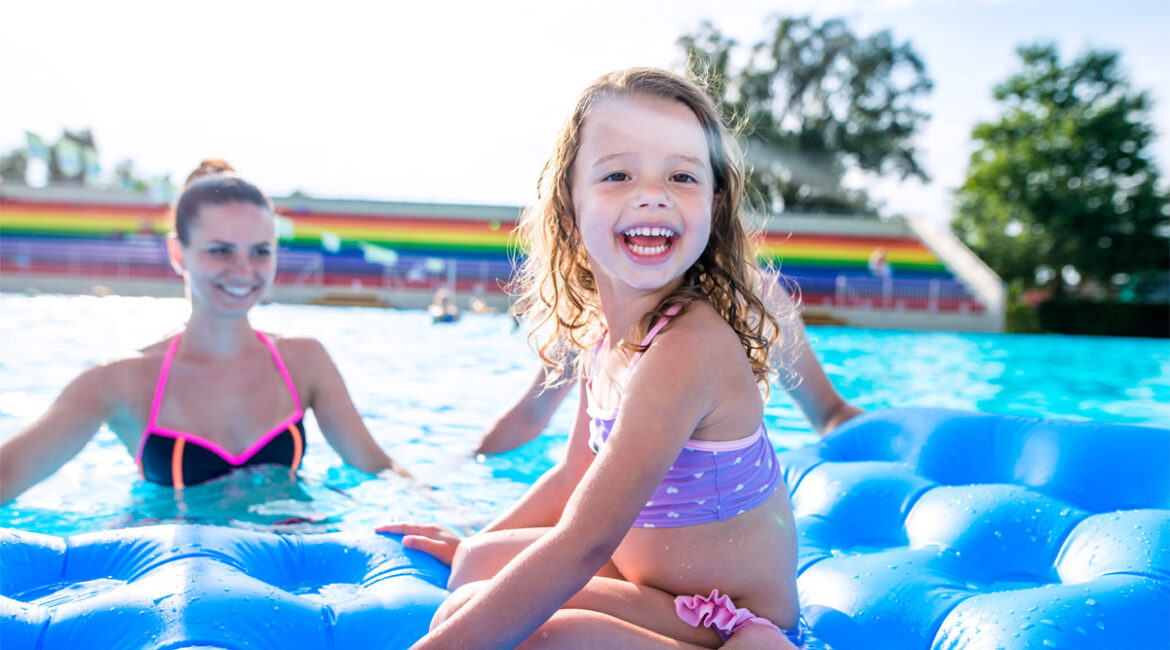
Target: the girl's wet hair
pixel 556 287
pixel 214 188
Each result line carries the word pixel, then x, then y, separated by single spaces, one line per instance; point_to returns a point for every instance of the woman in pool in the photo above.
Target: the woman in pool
pixel 218 395
pixel 667 524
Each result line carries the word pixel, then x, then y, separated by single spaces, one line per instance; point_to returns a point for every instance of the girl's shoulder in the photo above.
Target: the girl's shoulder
pixel 701 336
pixel 701 327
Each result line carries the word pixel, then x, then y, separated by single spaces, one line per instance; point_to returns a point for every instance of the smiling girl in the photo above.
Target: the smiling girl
pixel 218 395
pixel 667 525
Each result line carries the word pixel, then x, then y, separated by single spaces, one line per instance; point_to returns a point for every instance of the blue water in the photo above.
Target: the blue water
pixel 427 391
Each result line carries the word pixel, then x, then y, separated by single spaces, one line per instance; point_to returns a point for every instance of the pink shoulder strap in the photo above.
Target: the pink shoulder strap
pixel 292 389
pixel 654 331
pixel 161 386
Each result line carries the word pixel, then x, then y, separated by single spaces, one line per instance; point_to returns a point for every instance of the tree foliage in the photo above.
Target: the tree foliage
pixel 812 102
pixel 1062 184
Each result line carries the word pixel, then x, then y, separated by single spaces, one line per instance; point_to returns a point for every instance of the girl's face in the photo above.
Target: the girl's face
pixel 643 189
pixel 230 260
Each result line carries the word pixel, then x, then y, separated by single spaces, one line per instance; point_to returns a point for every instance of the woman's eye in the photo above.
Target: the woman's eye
pixel 220 252
pixel 617 176
pixel 262 252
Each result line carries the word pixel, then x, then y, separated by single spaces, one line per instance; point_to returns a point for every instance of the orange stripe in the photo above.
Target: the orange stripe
pixel 177 464
pixel 298 448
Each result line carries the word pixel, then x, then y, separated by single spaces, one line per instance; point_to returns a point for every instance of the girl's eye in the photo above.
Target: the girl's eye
pixel 617 176
pixel 683 177
pixel 220 252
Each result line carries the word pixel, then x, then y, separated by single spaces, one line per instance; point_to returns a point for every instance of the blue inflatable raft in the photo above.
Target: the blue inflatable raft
pixel 919 530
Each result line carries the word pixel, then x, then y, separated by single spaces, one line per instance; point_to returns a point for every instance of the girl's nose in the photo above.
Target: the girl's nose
pixel 652 194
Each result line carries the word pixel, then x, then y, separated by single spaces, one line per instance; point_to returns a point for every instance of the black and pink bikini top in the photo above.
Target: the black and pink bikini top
pixel 179 458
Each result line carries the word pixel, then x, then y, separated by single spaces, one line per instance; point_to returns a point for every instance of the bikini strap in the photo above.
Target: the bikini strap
pixel 674 309
pixel 292 389
pixel 161 385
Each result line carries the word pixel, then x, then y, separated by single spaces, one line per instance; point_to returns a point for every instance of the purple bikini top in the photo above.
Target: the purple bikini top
pixel 710 480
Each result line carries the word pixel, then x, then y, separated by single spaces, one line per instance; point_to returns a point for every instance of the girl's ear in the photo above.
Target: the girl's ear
pixel 175 253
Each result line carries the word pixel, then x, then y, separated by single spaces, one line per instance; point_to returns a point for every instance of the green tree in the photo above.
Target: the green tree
pixel 14 166
pixel 813 101
pixel 1062 184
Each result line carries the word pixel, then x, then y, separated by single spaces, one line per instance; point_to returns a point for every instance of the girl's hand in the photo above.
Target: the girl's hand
pixel 436 541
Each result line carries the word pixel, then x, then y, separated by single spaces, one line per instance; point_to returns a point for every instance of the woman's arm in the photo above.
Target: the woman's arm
pixel 527 417
pixel 42 447
pixel 336 414
pixel 542 505
pixel 813 392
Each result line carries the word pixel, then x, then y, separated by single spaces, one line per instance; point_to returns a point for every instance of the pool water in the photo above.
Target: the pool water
pixel 426 392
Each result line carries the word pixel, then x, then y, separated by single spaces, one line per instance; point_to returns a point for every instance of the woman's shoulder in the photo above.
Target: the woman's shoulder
pixel 300 351
pixel 123 377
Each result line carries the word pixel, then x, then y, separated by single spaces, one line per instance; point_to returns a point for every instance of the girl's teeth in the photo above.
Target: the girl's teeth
pixel 646 231
pixel 647 250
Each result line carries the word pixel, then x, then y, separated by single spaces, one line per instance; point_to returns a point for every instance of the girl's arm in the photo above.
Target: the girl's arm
pixel 336 414
pixel 42 447
pixel 663 402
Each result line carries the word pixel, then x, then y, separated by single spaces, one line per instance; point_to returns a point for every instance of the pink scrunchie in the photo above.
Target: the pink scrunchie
pixel 718 612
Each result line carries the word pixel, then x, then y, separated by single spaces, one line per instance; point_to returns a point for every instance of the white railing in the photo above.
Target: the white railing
pixel 965 265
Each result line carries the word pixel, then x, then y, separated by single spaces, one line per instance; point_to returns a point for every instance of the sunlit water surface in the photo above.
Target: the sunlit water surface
pixel 426 392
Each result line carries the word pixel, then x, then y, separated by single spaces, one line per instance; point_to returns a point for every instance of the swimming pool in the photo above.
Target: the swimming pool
pixel 426 391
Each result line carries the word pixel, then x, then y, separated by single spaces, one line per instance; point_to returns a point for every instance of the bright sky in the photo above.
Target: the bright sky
pixel 460 101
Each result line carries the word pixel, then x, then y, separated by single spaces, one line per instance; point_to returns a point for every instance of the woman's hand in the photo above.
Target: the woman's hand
pixel 436 541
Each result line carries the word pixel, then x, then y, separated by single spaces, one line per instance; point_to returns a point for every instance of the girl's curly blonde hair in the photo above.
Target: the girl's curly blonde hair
pixel 556 288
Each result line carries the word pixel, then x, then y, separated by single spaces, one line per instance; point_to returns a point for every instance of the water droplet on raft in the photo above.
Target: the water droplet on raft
pixel 1049 643
pixel 1026 626
pixel 1090 602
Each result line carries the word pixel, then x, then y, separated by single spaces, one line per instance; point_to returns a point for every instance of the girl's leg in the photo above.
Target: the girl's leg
pixel 610 613
pixel 482 556
pixel 573 629
pixel 653 612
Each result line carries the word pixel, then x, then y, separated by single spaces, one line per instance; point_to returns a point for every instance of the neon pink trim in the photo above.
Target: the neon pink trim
pixel 239 459
pixel 233 459
pixel 292 389
pixel 159 389
pixel 725 445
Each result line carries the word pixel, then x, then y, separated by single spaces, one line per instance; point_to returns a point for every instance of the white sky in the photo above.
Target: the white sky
pixel 460 101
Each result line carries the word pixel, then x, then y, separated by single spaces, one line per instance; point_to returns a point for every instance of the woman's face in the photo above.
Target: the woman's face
pixel 230 259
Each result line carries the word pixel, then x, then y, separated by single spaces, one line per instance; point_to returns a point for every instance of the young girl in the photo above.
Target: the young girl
pixel 667 525
pixel 218 395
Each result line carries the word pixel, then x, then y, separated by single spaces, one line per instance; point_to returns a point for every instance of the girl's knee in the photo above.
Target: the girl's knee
pixel 567 629
pixel 455 602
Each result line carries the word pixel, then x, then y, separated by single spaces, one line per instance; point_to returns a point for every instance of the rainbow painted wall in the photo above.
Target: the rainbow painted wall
pixel 366 245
